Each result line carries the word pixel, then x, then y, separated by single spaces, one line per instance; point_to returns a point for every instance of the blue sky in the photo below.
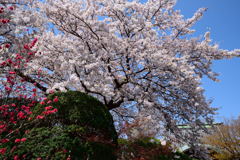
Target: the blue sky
pixel 222 19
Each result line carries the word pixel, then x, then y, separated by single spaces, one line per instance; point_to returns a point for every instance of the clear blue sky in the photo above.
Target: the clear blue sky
pixel 223 21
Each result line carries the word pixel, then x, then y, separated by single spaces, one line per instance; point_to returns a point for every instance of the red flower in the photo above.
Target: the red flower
pixel 17 140
pixel 13 105
pixel 4 140
pixel 48 108
pixel 54 110
pixel 7 45
pixel 9 60
pixel 4 21
pixel 26 47
pixel 23 139
pixel 48 102
pixel 34 42
pixel 3 150
pixel 12 72
pixel 16 157
pixel 55 99
pixel 3 63
pixel 3 126
pixel 42 103
pixel 30 53
pixel 21 115
pixel 40 117
pixel 11 8
pixel 8 89
pixel 50 112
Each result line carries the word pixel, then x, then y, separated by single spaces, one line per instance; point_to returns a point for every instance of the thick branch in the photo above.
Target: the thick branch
pixel 31 80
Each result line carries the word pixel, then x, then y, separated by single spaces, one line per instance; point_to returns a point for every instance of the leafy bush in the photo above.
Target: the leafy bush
pixel 81 128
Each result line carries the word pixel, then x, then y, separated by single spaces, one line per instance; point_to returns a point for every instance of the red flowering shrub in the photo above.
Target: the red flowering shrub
pixel 18 91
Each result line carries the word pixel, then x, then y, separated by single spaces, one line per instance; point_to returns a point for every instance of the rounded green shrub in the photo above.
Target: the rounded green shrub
pixel 82 128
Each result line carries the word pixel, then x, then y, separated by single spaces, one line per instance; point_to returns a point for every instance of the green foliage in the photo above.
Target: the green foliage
pixel 148 148
pixel 58 143
pixel 47 143
pixel 82 129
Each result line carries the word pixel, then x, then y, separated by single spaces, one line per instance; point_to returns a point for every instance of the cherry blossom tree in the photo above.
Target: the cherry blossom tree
pixel 139 59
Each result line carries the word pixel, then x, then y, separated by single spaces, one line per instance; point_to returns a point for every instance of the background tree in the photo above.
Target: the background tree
pixel 225 141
